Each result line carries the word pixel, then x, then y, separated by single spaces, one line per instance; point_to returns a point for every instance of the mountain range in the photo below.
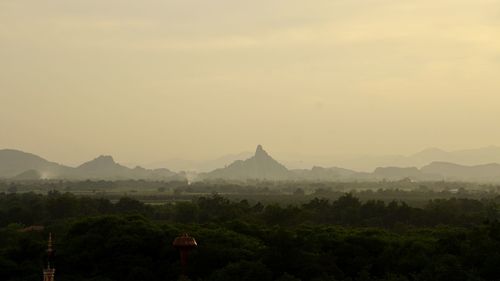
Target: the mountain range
pixel 178 164
pixel 263 166
pixel 15 164
pixel 18 165
pixel 356 162
pixel 466 157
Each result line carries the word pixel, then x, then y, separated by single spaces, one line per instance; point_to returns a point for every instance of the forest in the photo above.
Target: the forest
pixel 322 239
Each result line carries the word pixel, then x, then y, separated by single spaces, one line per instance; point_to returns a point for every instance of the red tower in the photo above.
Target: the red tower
pixel 184 244
pixel 49 272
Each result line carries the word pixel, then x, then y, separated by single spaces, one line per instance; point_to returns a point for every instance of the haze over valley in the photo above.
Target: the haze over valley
pixel 263 140
pixel 428 165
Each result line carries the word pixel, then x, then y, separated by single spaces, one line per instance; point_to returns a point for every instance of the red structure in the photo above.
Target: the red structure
pixel 184 244
pixel 49 272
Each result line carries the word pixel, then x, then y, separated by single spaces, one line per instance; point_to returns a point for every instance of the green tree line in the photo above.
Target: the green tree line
pixel 345 239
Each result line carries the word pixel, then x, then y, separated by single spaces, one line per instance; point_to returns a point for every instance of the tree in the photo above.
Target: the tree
pixel 12 188
pixel 244 271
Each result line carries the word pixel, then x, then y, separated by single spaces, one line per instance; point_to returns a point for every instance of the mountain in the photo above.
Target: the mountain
pixel 263 166
pixel 474 157
pixel 14 162
pixel 105 167
pixel 200 166
pixel 18 165
pixel 29 175
pixel 260 166
pixel 429 154
pixel 328 174
pixel 456 172
pixel 398 173
pixel 468 157
pixel 439 170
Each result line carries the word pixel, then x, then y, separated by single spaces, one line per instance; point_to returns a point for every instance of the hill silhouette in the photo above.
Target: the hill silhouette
pixel 15 162
pixel 455 172
pixel 18 165
pixel 260 166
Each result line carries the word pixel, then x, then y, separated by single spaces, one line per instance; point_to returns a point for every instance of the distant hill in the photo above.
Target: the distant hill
pixel 263 166
pixel 398 173
pixel 200 166
pixel 487 173
pixel 29 175
pixel 105 167
pixel 18 165
pixel 260 166
pixel 329 174
pixel 468 157
pixel 14 162
pixel 455 172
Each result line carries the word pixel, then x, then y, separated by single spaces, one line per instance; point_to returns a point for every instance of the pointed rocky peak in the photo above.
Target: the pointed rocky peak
pixel 260 166
pixel 260 152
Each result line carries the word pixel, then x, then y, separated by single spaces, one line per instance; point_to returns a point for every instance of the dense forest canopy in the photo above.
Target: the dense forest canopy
pixel 345 238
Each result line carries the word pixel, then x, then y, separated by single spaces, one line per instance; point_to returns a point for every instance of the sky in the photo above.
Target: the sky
pixel 151 80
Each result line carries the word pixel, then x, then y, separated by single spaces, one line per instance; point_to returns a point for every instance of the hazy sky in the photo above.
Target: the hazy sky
pixel 156 79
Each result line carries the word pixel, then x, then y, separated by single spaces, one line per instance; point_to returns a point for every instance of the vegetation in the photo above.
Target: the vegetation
pixel 321 239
